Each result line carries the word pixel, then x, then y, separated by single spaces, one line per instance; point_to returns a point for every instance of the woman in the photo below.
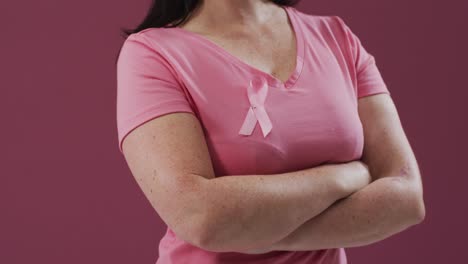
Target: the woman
pixel 210 90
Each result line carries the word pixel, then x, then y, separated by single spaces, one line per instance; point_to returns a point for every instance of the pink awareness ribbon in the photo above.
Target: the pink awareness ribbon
pixel 256 111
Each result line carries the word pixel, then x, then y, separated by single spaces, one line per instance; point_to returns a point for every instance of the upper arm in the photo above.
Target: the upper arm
pixel 167 155
pixel 387 151
pixel 160 136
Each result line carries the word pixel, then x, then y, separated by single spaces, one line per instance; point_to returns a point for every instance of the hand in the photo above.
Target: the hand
pixel 359 178
pixel 366 177
pixel 367 171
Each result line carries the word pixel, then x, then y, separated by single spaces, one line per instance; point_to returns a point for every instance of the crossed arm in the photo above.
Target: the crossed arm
pixel 379 210
pixel 392 202
pixel 322 207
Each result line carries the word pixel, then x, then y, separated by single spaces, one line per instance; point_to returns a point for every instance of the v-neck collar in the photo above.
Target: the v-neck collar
pixel 272 80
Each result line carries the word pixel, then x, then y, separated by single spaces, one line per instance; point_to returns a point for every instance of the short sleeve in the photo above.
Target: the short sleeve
pixel 147 86
pixel 368 78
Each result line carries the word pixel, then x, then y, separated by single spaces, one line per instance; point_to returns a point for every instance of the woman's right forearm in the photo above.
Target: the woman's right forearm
pixel 251 211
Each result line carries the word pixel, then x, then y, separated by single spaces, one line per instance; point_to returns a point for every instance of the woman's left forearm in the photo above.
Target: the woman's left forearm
pixel 384 207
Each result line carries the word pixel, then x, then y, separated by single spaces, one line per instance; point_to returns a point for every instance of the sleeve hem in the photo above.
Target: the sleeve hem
pixel 132 124
pixel 364 94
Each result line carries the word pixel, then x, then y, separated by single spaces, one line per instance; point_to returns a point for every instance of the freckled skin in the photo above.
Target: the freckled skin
pixel 405 169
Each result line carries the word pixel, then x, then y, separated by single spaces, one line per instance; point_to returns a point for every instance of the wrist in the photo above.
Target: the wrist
pixel 341 179
pixel 352 177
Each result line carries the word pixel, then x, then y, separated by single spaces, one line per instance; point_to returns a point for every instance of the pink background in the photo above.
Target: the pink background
pixel 67 195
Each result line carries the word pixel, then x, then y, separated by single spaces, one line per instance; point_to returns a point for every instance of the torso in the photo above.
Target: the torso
pixel 313 116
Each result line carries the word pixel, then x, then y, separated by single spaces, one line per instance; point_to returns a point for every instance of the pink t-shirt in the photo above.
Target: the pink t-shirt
pixel 253 122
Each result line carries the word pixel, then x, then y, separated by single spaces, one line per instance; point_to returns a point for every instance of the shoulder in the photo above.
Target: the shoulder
pixel 331 29
pixel 167 42
pixel 153 32
pixel 158 39
pixel 329 23
pixel 149 42
pixel 148 36
pixel 144 52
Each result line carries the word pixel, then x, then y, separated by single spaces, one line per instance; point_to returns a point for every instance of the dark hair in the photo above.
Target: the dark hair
pixel 174 12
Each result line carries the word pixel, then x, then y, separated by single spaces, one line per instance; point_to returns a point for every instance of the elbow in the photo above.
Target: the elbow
pixel 205 226
pixel 196 233
pixel 205 239
pixel 202 233
pixel 416 209
pixel 189 231
pixel 200 241
pixel 201 238
pixel 215 233
pixel 194 221
pixel 419 209
pixel 205 242
pixel 209 237
pixel 409 196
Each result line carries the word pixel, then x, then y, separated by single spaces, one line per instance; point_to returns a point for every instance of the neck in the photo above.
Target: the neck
pixel 232 14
